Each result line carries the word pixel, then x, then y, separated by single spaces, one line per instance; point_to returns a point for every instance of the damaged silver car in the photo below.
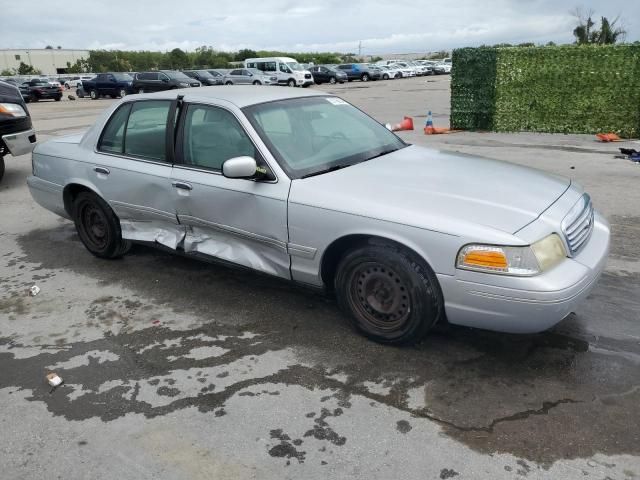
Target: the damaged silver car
pixel 304 186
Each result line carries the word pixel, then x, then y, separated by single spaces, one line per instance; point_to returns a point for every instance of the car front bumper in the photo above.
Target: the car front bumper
pixel 526 304
pixel 20 143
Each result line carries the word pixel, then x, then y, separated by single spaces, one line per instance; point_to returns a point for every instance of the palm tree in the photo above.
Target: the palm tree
pixel 584 32
pixel 609 33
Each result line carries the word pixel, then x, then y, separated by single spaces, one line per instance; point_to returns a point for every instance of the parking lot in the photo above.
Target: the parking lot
pixel 180 369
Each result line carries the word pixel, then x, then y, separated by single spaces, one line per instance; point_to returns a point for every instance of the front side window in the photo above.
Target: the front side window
pixel 213 135
pixel 145 130
pixel 311 135
pixel 284 68
pixel 236 72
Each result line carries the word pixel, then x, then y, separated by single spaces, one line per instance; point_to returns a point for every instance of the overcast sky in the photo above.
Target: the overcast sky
pixel 393 26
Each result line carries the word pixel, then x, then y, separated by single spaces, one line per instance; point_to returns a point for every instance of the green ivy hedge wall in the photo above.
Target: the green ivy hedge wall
pixel 567 89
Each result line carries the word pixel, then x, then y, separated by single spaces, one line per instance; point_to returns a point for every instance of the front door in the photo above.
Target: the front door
pixel 237 220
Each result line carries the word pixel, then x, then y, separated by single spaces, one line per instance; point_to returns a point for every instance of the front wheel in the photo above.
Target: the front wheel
pixel 332 80
pixel 391 295
pixel 122 93
pixel 385 77
pixel 94 95
pixel 57 99
pixel 98 227
pixel 257 82
pixel 291 83
pixel 141 91
pixel 229 83
pixel 365 77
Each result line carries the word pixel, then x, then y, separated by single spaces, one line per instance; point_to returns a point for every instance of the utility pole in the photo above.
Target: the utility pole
pixel 360 48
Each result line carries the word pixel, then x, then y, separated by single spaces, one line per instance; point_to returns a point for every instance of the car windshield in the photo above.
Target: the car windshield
pixel 204 74
pixel 40 82
pixel 123 77
pixel 295 66
pixel 310 136
pixel 177 76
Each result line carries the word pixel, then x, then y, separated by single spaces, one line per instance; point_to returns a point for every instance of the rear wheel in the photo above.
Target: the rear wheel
pixel 98 227
pixel 57 99
pixel 291 82
pixel 385 77
pixel 391 295
pixel 1 167
pixel 94 95
pixel 257 82
pixel 229 83
pixel 141 90
pixel 122 93
pixel 332 80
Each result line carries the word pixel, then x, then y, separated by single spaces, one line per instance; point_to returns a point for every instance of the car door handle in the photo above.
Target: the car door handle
pixel 102 170
pixel 182 185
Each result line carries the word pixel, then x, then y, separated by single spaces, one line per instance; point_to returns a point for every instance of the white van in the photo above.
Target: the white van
pixel 287 70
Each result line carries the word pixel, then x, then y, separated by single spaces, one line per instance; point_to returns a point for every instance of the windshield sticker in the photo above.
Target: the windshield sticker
pixel 336 101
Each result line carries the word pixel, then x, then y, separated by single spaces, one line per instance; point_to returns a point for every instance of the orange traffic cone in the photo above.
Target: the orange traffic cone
pixel 429 129
pixel 405 124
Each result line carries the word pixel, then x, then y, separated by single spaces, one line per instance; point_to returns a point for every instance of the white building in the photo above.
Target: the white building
pixel 48 61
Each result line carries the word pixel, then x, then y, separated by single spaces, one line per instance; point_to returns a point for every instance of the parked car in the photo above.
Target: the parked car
pixel 287 70
pixel 249 76
pixel 404 235
pixel 110 84
pixel 17 136
pixel 75 82
pixel 24 89
pixel 388 72
pixel 359 71
pixel 41 89
pixel 205 77
pixel 404 70
pixel 145 82
pixel 325 74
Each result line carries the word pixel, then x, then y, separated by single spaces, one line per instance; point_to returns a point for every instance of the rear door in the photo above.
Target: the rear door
pixel 132 169
pixel 237 220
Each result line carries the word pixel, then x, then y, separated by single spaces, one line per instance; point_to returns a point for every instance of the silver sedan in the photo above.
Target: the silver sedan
pixel 303 186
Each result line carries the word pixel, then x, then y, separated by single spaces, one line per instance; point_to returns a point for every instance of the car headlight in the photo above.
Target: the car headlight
pixel 182 84
pixel 506 260
pixel 12 109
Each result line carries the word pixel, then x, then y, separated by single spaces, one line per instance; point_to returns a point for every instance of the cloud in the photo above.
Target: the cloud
pixel 335 25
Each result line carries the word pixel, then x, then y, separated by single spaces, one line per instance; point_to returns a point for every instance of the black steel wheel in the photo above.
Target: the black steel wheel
pixel 391 295
pixel 98 227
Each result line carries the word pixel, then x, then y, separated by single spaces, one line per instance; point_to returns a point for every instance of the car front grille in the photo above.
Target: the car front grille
pixel 578 224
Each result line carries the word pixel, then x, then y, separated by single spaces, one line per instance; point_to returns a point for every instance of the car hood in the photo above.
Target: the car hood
pixel 435 190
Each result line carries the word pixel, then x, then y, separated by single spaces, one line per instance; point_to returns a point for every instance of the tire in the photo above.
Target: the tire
pixel 257 82
pixel 332 80
pixel 291 82
pixel 365 77
pixel 67 86
pixel 391 295
pixel 80 93
pixel 94 95
pixel 140 91
pixel 1 167
pixel 122 93
pixel 57 99
pixel 34 99
pixel 98 227
pixel 229 83
pixel 385 77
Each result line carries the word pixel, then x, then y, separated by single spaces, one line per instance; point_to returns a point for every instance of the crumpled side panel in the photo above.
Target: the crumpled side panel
pixel 161 232
pixel 253 254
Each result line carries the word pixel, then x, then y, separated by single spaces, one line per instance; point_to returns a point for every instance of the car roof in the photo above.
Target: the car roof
pixel 239 95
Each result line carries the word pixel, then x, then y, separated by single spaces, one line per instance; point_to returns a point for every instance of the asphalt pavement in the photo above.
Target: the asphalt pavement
pixel 179 369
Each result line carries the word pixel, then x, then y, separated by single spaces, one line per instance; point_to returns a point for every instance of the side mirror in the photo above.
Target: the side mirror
pixel 165 80
pixel 240 167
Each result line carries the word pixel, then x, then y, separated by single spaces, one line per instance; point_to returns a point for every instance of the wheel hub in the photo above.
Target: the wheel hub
pixel 380 296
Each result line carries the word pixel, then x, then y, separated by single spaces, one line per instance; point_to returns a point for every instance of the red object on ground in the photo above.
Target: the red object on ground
pixel 405 124
pixel 608 137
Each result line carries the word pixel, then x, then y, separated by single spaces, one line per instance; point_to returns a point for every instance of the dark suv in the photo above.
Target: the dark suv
pixel 204 77
pixel 162 80
pixel 16 132
pixel 360 71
